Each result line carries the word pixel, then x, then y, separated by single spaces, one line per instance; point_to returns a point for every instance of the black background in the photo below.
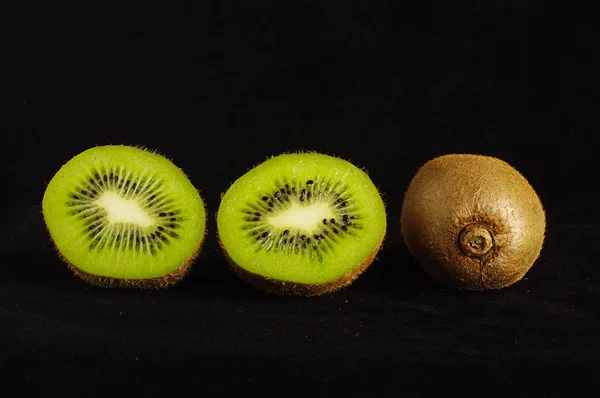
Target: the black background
pixel 218 87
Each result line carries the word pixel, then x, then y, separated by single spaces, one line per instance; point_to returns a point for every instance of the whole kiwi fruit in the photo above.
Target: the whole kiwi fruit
pixel 472 221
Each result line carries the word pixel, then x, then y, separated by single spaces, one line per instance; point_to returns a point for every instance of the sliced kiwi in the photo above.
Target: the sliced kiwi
pixel 123 216
pixel 473 221
pixel 301 224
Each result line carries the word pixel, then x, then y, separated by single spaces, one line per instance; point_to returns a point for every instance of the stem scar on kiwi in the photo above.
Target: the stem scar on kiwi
pixel 123 216
pixel 472 221
pixel 303 224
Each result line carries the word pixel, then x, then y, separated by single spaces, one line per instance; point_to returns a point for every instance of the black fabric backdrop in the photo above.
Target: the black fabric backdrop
pixel 218 87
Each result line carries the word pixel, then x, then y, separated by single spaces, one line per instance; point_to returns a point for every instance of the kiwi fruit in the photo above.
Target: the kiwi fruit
pixel 124 216
pixel 472 221
pixel 302 224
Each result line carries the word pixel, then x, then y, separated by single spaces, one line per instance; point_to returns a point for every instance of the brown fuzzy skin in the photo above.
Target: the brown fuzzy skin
pixel 287 288
pixel 159 282
pixel 455 204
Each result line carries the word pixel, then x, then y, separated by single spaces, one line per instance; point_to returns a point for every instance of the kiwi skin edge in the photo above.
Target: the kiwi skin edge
pixel 159 282
pixel 287 288
pixel 473 222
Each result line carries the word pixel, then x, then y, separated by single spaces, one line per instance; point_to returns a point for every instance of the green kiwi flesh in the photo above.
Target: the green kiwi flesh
pixel 301 224
pixel 122 216
pixel 473 222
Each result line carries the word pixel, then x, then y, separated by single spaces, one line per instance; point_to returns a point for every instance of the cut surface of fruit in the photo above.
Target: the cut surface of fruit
pixel 125 213
pixel 302 218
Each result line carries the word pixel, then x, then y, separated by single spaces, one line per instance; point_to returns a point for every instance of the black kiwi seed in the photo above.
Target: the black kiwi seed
pixel 309 182
pixel 265 198
pixel 325 221
pixel 333 220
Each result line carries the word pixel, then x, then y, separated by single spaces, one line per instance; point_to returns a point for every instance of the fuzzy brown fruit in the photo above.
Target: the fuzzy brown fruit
pixel 472 221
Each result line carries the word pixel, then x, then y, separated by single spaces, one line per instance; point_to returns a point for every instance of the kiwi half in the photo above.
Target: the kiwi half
pixel 301 224
pixel 473 221
pixel 123 216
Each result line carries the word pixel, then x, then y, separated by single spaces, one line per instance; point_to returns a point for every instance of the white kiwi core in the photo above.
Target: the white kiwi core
pixel 121 210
